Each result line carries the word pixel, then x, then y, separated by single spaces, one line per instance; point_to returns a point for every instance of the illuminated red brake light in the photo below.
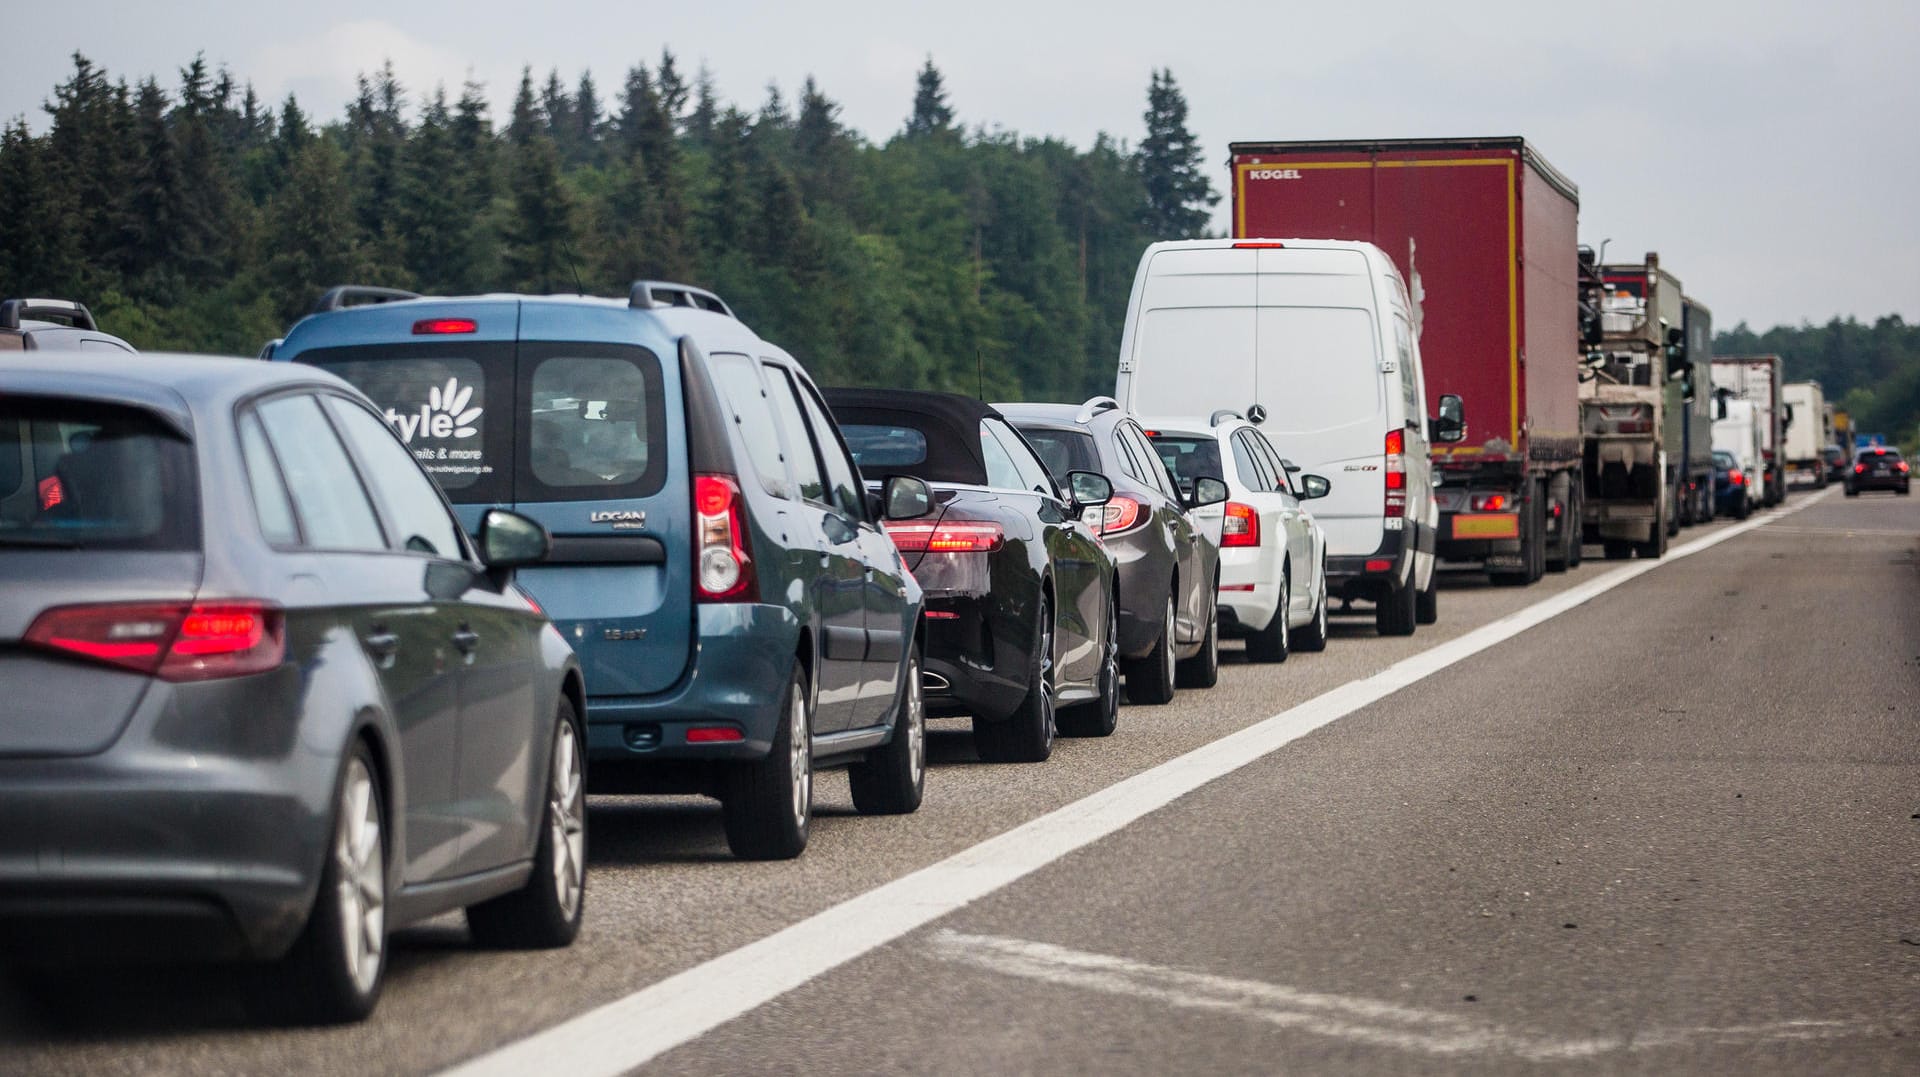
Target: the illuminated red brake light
pixel 440 326
pixel 1489 502
pixel 723 565
pixel 916 537
pixel 1859 469
pixel 174 641
pixel 1396 447
pixel 1239 526
pixel 1259 246
pixel 1120 513
pixel 1737 478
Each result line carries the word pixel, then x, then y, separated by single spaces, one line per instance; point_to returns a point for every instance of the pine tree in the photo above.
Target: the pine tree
pixel 310 232
pixel 673 87
pixel 205 241
pixel 436 228
pixel 539 235
pixel 931 113
pixel 157 199
pixel 588 121
pixel 38 219
pixel 1179 194
pixel 88 153
pixel 700 123
pixel 526 121
pixel 823 152
pixel 562 125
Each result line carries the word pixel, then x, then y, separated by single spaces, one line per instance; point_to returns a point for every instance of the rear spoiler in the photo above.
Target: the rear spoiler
pixel 15 311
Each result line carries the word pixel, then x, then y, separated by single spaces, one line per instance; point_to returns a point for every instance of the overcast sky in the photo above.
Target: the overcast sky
pixel 1769 150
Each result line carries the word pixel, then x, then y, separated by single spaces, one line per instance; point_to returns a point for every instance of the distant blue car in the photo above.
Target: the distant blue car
pixel 1730 494
pixel 739 613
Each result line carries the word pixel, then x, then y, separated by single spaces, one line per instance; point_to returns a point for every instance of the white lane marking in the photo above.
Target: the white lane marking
pixel 629 1031
pixel 1345 1017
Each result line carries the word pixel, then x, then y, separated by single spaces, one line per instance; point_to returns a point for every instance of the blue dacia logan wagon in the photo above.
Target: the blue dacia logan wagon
pixel 739 613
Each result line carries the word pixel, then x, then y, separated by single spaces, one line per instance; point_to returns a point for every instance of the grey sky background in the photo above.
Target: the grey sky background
pixel 1769 150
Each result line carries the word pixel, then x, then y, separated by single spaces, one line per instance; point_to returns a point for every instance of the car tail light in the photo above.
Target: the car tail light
pixel 1396 505
pixel 1489 502
pixel 175 641
pixel 51 492
pixel 1259 246
pixel 912 537
pixel 715 734
pixel 1737 478
pixel 723 566
pixel 1859 469
pixel 1379 565
pixel 440 326
pixel 1239 526
pixel 1900 466
pixel 1120 514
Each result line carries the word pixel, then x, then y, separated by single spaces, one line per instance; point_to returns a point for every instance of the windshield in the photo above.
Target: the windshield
pixel 1189 457
pixel 880 448
pixel 1725 459
pixel 79 474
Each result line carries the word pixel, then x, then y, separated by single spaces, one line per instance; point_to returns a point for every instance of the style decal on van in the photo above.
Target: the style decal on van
pixel 444 415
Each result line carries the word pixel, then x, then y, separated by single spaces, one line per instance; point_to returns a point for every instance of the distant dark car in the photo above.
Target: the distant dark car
pixel 262 697
pixel 1169 568
pixel 1730 493
pixel 1020 593
pixel 1878 468
pixel 53 325
pixel 1835 459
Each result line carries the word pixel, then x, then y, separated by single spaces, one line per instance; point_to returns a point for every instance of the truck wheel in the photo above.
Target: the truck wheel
pixel 1426 607
pixel 1397 613
pixel 1272 643
pixel 1576 533
pixel 891 780
pixel 1654 548
pixel 768 805
pixel 1151 679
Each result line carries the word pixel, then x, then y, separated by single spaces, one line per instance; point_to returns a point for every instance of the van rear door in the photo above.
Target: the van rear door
pixel 1191 334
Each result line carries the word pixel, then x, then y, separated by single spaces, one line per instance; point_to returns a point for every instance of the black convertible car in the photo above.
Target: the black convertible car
pixel 1020 601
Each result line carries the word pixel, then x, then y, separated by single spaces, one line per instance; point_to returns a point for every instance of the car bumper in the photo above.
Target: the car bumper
pixel 1880 482
pixel 974 664
pixel 169 850
pixel 1371 576
pixel 1249 588
pixel 743 657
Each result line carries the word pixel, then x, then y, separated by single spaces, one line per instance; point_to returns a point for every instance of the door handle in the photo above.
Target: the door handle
pixel 466 639
pixel 381 643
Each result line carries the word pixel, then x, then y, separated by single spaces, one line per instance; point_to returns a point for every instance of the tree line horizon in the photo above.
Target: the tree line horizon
pixel 201 218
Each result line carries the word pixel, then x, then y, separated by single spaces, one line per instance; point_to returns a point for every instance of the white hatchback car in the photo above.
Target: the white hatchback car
pixel 1273 554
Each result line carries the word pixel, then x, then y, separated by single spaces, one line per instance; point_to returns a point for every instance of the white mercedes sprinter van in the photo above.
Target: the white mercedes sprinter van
pixel 1314 339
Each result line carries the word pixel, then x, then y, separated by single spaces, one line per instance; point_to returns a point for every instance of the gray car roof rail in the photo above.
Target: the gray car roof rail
pixel 1224 415
pixel 14 311
pixel 1094 406
pixel 342 296
pixel 654 294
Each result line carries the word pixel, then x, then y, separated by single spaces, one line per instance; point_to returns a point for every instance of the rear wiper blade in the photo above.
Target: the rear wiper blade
pixel 50 542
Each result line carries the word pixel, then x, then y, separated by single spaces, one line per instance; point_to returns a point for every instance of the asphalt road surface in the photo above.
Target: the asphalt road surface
pixel 1672 827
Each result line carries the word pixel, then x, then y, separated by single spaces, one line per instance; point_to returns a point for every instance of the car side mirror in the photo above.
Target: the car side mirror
pixel 1088 488
pixel 905 498
pixel 1451 424
pixel 1207 491
pixel 509 540
pixel 1314 486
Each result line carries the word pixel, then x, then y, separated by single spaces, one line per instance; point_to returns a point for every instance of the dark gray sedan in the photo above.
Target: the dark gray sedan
pixel 260 698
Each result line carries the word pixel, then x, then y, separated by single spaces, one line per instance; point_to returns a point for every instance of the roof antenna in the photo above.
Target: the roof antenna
pixel 980 373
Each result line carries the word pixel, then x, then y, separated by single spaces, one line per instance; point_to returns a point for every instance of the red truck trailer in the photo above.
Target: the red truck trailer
pixel 1484 230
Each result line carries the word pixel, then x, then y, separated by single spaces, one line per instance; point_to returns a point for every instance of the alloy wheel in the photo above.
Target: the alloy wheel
pixel 1046 676
pixel 800 756
pixel 360 863
pixel 566 820
pixel 916 724
pixel 1168 659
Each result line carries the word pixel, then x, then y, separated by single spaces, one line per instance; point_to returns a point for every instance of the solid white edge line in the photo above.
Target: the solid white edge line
pixel 631 1031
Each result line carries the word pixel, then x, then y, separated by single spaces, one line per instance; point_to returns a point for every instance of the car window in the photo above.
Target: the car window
pixel 420 522
pixel 1403 349
pixel 270 504
pixel 1247 465
pixel 1062 450
pixel 1033 473
pixel 1281 481
pixel 806 463
pixel 1189 457
pixel 82 475
pixel 1129 460
pixel 1001 474
pixel 884 447
pixel 746 401
pixel 1889 455
pixel 1156 472
pixel 452 404
pixel 596 427
pixel 332 506
pixel 842 477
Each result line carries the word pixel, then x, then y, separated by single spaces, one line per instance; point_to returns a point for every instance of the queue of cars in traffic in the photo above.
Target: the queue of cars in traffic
pixel 358 628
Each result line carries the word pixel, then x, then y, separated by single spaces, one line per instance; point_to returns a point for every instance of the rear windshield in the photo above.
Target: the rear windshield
pixel 887 448
pixel 1868 456
pixel 82 475
pixel 496 423
pixel 1188 457
pixel 1062 450
pixel 1725 459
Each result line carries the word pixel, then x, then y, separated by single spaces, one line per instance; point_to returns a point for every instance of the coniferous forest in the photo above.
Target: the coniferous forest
pixel 197 217
pixel 194 216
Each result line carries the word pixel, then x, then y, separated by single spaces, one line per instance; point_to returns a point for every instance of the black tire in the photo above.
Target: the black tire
pixel 1618 549
pixel 1576 529
pixel 1852 491
pixel 892 780
pixel 1313 638
pixel 1025 736
pixel 327 980
pixel 1099 717
pixel 1396 615
pixel 1203 669
pixel 545 913
pixel 1745 510
pixel 1654 548
pixel 1151 680
pixel 1426 604
pixel 767 805
pixel 1274 642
